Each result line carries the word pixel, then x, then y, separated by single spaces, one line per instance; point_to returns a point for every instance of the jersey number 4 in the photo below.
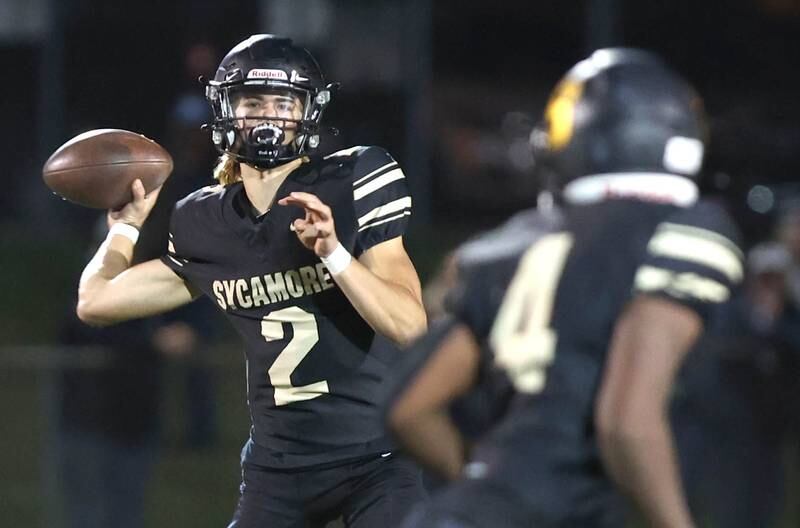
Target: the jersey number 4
pixel 305 336
pixel 524 344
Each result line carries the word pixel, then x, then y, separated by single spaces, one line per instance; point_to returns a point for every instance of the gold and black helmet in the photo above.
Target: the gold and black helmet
pixel 267 64
pixel 621 110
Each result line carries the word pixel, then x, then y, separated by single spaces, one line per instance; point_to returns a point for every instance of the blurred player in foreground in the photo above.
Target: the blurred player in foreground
pixel 587 325
pixel 314 288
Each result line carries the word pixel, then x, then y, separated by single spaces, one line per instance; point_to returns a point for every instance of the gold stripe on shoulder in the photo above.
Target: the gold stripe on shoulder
pixel 213 188
pixel 702 233
pixel 681 285
pixel 701 246
pixel 344 152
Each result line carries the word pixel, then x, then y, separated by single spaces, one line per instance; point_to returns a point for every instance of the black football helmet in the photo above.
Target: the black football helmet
pixel 621 110
pixel 267 64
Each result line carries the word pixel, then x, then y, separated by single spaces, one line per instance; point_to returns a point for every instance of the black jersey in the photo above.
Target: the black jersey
pixel 549 336
pixel 313 364
pixel 485 266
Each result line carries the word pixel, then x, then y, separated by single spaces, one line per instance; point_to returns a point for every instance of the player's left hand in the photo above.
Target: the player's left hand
pixel 316 231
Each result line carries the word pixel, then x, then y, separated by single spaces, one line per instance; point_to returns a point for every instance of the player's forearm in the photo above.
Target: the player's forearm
pixel 433 440
pixel 112 258
pixel 390 309
pixel 641 458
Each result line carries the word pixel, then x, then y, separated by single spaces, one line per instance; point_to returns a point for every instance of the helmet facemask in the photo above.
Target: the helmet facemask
pixel 265 123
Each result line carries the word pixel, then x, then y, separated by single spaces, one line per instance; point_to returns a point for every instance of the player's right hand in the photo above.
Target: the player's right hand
pixel 135 212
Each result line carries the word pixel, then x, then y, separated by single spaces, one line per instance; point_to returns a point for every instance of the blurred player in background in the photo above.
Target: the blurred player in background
pixel 587 324
pixel 191 331
pixel 109 426
pixel 107 441
pixel 736 405
pixel 305 255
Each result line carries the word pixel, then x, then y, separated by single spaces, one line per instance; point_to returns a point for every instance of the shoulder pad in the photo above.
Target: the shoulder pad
pixel 508 240
pixel 345 152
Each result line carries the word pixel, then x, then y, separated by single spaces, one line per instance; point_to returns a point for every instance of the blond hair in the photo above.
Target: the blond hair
pixel 227 170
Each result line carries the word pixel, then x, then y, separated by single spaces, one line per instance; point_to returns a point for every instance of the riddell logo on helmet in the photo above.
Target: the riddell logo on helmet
pixel 647 196
pixel 267 74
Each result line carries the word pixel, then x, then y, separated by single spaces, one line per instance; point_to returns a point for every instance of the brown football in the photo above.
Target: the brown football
pixel 96 168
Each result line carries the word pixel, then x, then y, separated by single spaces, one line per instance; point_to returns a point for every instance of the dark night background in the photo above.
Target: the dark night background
pixel 450 87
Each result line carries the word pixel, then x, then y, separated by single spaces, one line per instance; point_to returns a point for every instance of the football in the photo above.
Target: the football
pixel 96 169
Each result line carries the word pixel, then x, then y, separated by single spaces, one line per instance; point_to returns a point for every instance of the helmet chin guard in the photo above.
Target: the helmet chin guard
pixel 266 140
pixel 267 65
pixel 267 135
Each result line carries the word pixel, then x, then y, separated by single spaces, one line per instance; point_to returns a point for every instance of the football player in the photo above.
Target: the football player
pixel 587 324
pixel 304 254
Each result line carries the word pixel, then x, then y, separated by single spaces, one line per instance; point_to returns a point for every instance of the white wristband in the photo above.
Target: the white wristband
pixel 338 260
pixel 123 229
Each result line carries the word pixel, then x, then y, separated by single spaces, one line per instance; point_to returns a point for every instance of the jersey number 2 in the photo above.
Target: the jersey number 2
pixel 304 328
pixel 523 342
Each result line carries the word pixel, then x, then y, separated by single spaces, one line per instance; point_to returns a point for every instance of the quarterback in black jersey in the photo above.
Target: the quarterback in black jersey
pixel 305 256
pixel 588 323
